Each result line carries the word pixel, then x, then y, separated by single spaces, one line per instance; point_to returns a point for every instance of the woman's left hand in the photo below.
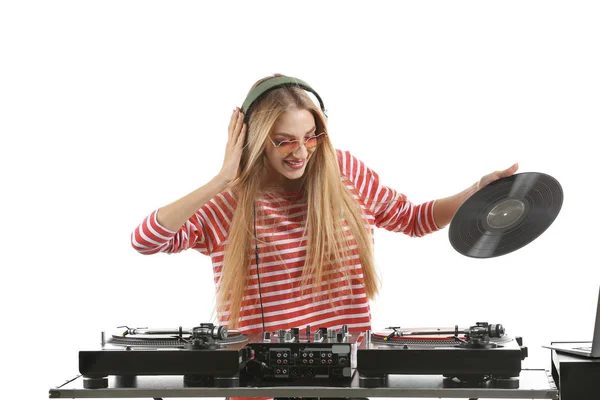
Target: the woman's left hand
pixel 494 176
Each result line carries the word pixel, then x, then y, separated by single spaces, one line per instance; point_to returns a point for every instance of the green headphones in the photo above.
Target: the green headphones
pixel 274 83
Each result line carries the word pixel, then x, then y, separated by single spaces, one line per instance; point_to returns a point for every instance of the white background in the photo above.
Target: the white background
pixel 111 109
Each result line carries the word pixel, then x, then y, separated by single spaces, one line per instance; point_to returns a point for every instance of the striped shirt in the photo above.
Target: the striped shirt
pixel 282 251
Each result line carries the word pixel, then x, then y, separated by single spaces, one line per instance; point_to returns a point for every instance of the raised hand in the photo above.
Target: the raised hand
pixel 233 151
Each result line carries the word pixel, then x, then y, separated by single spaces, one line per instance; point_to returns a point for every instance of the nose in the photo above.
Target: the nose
pixel 301 151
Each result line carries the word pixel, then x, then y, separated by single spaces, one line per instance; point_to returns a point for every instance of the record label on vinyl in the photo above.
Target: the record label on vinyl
pixel 506 215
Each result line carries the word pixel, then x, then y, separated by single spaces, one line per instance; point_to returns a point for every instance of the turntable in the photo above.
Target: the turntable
pixel 481 355
pixel 206 355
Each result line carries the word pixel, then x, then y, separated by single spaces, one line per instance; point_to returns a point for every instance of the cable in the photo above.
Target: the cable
pixel 257 273
pixel 69 381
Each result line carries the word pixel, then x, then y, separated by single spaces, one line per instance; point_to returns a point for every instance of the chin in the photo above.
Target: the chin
pixel 292 174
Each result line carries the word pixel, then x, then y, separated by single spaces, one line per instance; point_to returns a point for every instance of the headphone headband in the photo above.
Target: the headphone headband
pixel 274 83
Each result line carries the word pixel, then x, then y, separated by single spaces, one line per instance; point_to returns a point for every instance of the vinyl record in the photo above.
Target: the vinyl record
pixel 506 215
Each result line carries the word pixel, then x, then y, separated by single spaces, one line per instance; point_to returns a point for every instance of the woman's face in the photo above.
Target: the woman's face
pixel 286 169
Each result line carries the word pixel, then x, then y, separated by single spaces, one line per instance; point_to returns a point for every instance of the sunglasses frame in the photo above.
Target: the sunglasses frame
pixel 277 146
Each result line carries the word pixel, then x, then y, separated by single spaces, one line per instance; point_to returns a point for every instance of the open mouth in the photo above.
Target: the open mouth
pixel 295 164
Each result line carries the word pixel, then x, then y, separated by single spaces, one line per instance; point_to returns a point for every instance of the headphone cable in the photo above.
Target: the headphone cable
pixel 257 273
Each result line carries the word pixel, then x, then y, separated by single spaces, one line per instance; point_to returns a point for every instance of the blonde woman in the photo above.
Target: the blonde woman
pixel 288 221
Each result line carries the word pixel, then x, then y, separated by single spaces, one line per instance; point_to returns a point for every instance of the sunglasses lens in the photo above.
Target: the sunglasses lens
pixel 314 141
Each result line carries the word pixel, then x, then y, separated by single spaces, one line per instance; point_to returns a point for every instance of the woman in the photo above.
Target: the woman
pixel 288 221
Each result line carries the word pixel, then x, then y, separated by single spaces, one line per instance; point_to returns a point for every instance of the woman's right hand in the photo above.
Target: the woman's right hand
pixel 235 143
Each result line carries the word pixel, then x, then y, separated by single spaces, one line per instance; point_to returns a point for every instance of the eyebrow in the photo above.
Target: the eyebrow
pixel 288 135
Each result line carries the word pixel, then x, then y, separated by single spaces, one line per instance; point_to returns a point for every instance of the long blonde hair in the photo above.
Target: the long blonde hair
pixel 330 207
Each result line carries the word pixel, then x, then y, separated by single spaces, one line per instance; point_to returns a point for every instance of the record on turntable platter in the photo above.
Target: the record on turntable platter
pixel 170 338
pixel 506 215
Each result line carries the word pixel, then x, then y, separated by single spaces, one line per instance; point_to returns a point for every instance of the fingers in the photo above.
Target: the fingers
pixel 232 123
pixel 242 135
pixel 494 176
pixel 510 170
pixel 238 123
pixel 235 124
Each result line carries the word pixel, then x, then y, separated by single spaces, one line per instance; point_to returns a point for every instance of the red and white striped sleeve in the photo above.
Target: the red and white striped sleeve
pixel 390 209
pixel 206 229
